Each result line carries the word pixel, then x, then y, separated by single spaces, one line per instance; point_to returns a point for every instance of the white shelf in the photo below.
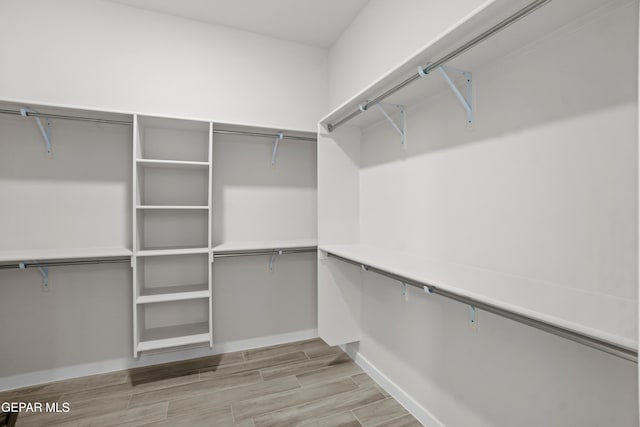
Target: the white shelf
pixel 601 316
pixel 171 207
pixel 171 251
pixel 264 245
pixel 171 164
pixel 173 293
pixel 62 253
pixel 536 26
pixel 173 336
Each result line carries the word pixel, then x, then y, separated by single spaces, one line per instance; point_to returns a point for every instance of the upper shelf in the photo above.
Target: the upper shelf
pixel 550 18
pixel 601 316
pixel 62 254
pixel 264 245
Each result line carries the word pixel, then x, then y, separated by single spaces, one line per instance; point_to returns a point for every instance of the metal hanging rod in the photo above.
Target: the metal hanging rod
pixel 264 252
pixel 589 341
pixel 64 117
pixel 531 7
pixel 129 123
pixel 66 263
pixel 263 135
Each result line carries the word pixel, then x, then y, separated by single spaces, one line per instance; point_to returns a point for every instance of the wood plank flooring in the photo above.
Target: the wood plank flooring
pixel 305 383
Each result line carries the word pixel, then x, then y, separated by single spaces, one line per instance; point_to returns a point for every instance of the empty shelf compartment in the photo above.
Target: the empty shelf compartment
pixel 173 336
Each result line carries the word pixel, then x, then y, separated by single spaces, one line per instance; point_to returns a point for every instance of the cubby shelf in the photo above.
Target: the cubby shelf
pixel 590 313
pixel 156 163
pixel 171 217
pixel 173 336
pixel 172 251
pixel 173 293
pixel 170 207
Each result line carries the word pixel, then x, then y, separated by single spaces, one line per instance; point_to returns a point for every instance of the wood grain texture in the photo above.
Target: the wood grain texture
pixel 303 383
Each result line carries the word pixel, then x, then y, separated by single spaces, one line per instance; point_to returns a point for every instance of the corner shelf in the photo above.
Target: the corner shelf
pixel 173 336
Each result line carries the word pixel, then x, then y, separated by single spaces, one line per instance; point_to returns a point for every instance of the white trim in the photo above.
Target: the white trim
pixel 409 403
pixel 102 367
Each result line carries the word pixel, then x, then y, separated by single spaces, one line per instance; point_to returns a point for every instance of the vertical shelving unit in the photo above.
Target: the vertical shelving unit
pixel 171 233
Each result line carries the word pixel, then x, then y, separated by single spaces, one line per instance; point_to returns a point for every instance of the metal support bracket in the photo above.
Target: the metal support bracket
pixel 465 101
pixel 274 148
pixel 402 128
pixel 273 258
pixel 44 271
pixel 364 267
pixel 473 315
pixel 405 291
pixel 45 131
pixel 428 290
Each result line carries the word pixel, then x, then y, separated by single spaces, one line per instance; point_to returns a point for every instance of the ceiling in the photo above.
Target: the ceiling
pixel 313 22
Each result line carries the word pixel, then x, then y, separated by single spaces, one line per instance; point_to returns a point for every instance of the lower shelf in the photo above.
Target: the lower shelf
pixel 173 293
pixel 174 336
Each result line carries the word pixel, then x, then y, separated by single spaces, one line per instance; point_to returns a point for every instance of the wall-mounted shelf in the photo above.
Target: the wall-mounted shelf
pixel 264 245
pixel 545 20
pixel 173 336
pixel 602 317
pixel 62 254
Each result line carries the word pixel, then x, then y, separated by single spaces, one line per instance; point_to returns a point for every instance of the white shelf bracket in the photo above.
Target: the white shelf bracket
pixel 428 290
pixel 45 131
pixel 274 148
pixel 273 258
pixel 44 271
pixel 465 101
pixel 402 128
pixel 364 267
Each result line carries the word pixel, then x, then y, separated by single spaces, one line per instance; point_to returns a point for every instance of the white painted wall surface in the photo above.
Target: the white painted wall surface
pixel 384 34
pixel 542 185
pixel 102 55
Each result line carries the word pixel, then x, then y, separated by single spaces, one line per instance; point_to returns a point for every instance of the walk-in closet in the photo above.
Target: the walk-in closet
pixel 304 213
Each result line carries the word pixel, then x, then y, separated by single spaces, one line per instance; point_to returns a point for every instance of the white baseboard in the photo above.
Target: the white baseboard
pixel 102 367
pixel 410 404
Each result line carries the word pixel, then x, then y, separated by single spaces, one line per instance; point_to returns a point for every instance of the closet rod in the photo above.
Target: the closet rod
pixel 66 263
pixel 129 123
pixel 589 341
pixel 63 117
pixel 264 252
pixel 531 7
pixel 263 135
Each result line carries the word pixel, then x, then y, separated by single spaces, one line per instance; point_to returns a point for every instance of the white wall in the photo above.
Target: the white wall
pixel 102 55
pixel 384 34
pixel 543 185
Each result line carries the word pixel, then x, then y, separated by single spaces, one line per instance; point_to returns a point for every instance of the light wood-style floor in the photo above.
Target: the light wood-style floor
pixel 303 383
